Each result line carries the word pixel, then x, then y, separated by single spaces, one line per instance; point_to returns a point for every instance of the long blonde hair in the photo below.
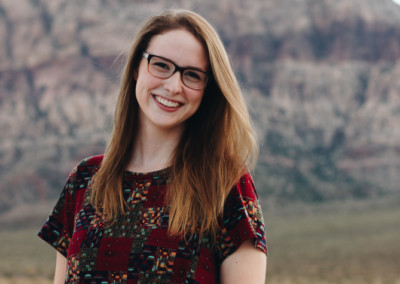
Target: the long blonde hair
pixel 218 142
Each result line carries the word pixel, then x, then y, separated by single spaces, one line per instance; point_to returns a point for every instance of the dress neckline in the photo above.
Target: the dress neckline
pixel 150 173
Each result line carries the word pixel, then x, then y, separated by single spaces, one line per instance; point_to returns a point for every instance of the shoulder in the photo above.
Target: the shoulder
pixel 87 167
pixel 59 227
pixel 80 176
pixel 242 218
pixel 242 197
pixel 90 163
pixel 244 188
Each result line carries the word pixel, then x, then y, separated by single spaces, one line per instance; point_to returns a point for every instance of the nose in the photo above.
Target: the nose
pixel 174 83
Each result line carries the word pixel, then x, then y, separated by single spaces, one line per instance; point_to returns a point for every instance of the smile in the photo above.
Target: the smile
pixel 166 102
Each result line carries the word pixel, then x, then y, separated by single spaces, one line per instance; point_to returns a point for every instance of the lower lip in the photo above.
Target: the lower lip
pixel 165 108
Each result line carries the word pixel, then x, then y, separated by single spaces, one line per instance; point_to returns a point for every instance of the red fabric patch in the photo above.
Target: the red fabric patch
pixel 113 254
pixel 245 187
pixel 241 232
pixel 76 241
pixel 206 269
pixel 159 238
pixel 181 266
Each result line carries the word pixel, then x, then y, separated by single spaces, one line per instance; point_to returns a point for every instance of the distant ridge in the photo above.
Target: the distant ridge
pixel 321 79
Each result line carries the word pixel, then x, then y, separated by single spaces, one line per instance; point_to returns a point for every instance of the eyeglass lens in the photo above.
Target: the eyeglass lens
pixel 191 78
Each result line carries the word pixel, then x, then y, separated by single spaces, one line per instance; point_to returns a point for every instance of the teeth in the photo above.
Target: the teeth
pixel 165 102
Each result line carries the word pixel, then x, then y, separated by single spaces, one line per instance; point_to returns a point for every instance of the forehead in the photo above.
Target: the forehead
pixel 180 46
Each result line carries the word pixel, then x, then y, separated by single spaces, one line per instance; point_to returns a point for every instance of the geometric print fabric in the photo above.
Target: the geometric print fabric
pixel 136 247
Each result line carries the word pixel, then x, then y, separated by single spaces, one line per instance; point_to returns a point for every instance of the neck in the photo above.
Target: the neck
pixel 153 149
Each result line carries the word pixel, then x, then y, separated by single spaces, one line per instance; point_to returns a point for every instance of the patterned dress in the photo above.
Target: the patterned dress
pixel 136 248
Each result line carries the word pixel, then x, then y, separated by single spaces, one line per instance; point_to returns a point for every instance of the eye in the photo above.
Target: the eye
pixel 161 65
pixel 193 75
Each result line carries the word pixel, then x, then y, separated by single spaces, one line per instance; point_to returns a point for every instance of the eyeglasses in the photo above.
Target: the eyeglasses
pixel 163 68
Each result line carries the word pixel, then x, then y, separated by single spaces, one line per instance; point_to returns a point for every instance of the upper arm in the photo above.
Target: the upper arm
pixel 247 264
pixel 61 269
pixel 243 246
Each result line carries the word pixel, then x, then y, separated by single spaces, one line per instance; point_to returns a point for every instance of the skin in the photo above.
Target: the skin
pixel 246 265
pixel 160 128
pixel 61 269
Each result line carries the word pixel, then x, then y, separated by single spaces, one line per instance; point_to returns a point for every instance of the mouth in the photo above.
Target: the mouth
pixel 166 103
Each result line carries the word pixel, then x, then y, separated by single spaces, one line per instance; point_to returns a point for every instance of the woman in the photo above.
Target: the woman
pixel 171 200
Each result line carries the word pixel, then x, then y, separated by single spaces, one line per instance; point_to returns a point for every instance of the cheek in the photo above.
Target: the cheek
pixel 197 98
pixel 145 82
pixel 195 101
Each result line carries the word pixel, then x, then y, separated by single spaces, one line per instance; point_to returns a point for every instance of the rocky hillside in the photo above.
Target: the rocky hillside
pixel 320 77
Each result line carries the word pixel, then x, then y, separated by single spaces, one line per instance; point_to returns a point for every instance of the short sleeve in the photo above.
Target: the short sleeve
pixel 242 219
pixel 58 228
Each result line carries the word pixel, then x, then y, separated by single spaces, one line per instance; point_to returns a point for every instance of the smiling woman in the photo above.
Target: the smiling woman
pixel 171 200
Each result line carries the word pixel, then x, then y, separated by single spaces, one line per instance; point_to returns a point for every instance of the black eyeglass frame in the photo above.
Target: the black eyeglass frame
pixel 148 56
